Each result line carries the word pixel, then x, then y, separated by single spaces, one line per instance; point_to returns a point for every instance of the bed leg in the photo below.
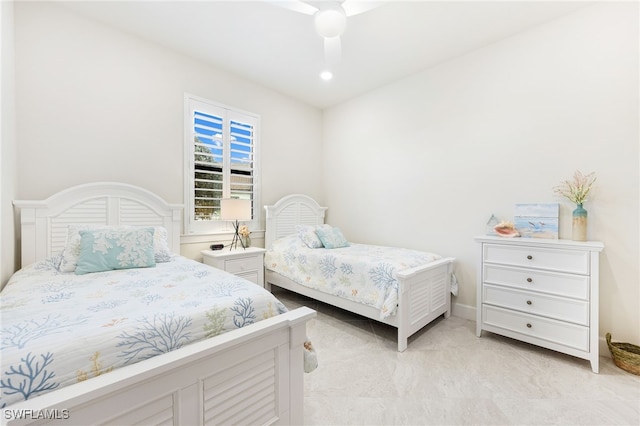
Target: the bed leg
pixel 402 343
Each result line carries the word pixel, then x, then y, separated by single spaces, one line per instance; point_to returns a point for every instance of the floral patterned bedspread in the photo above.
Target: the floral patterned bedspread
pixel 359 272
pixel 60 328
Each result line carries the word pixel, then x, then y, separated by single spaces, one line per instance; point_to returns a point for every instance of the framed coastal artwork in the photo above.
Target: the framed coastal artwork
pixel 537 220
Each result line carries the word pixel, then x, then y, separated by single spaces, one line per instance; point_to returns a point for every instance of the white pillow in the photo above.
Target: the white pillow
pixel 161 250
pixel 309 236
pixel 71 251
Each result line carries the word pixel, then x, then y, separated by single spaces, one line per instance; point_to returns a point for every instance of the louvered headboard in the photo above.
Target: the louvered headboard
pixel 44 223
pixel 289 211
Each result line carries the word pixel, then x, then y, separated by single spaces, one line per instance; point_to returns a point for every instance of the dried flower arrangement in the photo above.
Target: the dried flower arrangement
pixel 243 231
pixel 576 190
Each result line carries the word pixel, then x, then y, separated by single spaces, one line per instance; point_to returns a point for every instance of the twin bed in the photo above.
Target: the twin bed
pixel 406 289
pixel 172 341
pixel 175 343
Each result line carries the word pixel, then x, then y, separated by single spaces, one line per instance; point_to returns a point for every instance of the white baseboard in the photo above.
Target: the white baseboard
pixel 463 311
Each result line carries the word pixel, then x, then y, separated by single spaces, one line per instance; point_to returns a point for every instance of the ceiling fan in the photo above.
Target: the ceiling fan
pixel 330 19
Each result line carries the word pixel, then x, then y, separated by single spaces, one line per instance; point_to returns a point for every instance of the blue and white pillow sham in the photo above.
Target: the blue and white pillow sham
pixel 332 237
pixel 71 253
pixel 107 249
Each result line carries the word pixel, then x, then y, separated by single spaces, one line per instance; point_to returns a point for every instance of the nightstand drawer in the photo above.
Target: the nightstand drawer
pixel 545 329
pixel 572 261
pixel 237 266
pixel 576 286
pixel 251 276
pixel 560 308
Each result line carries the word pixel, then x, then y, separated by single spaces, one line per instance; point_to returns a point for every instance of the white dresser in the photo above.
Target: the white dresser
pixel 541 291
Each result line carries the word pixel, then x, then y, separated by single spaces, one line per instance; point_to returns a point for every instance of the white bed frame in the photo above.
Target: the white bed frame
pixel 424 291
pixel 252 375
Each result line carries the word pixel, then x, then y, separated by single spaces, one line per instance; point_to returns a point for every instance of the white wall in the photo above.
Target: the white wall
pixel 97 104
pixel 425 161
pixel 8 143
pixel 420 163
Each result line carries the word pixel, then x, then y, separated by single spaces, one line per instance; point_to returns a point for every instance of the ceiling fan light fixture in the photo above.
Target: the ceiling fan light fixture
pixel 330 22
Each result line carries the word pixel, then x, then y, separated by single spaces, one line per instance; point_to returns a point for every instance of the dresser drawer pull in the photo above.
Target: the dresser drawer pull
pixel 529 325
pixel 529 257
pixel 528 302
pixel 529 280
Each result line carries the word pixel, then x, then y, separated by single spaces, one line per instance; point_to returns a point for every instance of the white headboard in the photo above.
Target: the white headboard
pixel 44 223
pixel 289 211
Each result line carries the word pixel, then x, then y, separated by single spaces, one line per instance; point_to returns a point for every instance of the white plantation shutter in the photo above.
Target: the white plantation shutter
pixel 221 151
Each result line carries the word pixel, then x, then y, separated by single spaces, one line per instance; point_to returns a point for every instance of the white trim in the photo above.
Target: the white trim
pixel 463 311
pixel 190 227
pixel 217 237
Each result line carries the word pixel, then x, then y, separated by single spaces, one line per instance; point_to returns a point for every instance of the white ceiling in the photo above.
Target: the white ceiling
pixel 280 49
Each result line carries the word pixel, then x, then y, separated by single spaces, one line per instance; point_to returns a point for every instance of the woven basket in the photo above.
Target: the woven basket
pixel 625 355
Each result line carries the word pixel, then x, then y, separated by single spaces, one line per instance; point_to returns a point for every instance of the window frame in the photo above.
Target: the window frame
pixel 208 227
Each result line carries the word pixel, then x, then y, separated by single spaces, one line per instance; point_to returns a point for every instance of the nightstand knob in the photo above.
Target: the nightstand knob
pixel 529 280
pixel 528 302
pixel 529 257
pixel 529 325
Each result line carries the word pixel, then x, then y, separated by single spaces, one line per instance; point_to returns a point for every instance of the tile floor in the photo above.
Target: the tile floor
pixel 448 376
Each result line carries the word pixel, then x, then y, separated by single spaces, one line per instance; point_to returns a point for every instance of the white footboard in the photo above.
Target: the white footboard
pixel 253 375
pixel 423 295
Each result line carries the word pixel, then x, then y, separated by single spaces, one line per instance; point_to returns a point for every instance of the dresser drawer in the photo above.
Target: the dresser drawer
pixel 558 332
pixel 237 266
pixel 572 261
pixel 576 286
pixel 560 308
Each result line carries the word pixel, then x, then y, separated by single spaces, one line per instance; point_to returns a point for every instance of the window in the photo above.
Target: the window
pixel 221 154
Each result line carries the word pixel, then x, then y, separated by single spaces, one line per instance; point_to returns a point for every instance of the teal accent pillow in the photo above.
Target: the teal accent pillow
pixel 331 237
pixel 71 251
pixel 111 248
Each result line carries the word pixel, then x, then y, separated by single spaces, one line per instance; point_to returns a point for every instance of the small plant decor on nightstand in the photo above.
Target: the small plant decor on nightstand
pixel 244 233
pixel 576 191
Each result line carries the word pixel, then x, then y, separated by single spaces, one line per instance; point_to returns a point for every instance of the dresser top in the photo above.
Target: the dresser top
pixel 542 242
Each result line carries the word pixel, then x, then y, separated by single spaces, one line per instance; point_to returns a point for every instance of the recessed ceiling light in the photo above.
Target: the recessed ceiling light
pixel 326 75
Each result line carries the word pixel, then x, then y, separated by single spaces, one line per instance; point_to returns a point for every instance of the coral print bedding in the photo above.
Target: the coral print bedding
pixel 59 328
pixel 358 272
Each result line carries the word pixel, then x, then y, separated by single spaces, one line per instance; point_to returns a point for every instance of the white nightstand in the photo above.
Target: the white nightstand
pixel 246 263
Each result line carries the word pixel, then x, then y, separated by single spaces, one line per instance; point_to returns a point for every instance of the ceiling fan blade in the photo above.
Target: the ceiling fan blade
pixel 296 6
pixel 355 7
pixel 332 50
